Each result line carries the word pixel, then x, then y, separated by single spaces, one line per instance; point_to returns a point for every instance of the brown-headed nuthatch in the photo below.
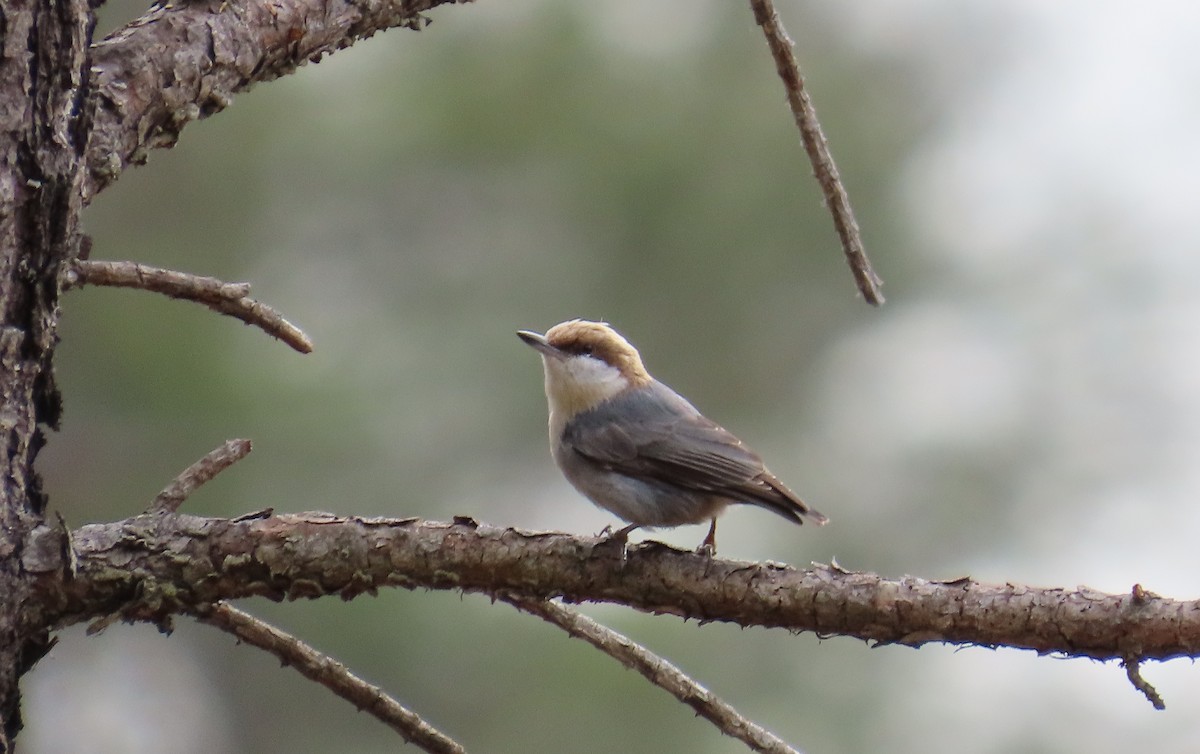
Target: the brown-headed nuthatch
pixel 637 448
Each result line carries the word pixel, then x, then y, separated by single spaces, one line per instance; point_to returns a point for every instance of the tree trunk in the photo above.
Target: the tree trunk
pixel 44 125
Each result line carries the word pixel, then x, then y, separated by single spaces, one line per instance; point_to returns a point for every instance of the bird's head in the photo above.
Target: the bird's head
pixel 586 364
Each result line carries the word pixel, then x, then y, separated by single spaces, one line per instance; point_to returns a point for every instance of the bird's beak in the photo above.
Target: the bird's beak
pixel 539 342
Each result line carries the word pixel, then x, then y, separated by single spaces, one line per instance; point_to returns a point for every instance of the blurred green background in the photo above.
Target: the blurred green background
pixel 1022 409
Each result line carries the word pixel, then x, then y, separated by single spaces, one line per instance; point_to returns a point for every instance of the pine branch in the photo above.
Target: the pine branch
pixel 149 566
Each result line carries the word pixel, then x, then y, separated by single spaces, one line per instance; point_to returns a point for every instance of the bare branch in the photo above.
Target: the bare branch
pixel 159 564
pixel 319 667
pixel 226 298
pixel 191 478
pixel 658 671
pixel 818 151
pixel 182 62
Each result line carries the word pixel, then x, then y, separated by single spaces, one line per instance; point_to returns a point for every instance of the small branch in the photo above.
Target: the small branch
pixel 191 478
pixel 227 298
pixel 319 667
pixel 658 671
pixel 1133 669
pixel 818 151
pixel 168 282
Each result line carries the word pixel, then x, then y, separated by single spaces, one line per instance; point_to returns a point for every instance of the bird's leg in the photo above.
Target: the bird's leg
pixel 709 545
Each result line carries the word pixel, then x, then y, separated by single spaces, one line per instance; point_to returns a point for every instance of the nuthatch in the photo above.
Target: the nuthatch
pixel 637 448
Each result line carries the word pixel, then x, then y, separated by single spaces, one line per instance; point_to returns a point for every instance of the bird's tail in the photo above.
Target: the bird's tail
pixel 786 503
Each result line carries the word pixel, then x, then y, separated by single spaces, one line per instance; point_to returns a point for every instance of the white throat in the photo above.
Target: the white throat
pixel 577 384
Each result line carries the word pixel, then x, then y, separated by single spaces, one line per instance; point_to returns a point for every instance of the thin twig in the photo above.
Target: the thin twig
pixel 319 667
pixel 190 479
pixel 658 671
pixel 227 298
pixel 1133 669
pixel 818 150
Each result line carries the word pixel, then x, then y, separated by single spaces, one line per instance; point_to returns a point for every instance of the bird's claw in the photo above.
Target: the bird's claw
pixel 620 537
pixel 613 542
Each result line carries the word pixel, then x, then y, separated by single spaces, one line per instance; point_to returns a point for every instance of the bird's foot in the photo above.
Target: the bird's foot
pixel 620 535
pixel 618 538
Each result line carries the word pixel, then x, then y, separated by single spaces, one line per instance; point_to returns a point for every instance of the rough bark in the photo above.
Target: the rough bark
pixel 43 136
pixel 153 566
pixel 182 62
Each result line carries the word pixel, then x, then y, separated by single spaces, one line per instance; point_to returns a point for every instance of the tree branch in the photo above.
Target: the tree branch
pixel 156 565
pixel 232 299
pixel 182 62
pixel 658 671
pixel 319 667
pixel 817 148
pixel 191 478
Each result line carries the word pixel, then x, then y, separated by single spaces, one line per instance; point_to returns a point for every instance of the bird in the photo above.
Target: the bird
pixel 638 449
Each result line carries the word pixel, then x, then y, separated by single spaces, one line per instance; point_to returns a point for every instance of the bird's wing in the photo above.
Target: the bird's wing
pixel 673 443
pixel 702 458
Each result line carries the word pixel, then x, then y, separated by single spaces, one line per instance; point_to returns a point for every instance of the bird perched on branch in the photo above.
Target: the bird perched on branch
pixel 638 449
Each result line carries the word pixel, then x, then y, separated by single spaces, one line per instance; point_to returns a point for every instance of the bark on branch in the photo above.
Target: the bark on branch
pixel 151 566
pixel 185 61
